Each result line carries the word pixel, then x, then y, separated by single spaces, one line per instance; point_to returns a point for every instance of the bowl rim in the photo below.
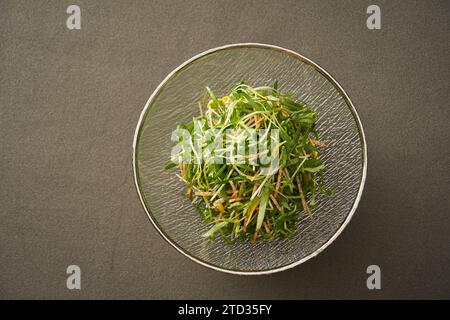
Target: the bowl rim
pixel 317 68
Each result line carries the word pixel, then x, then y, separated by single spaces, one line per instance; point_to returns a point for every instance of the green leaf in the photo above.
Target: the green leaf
pixel 170 165
pixel 325 191
pixel 214 229
pixel 292 105
pixel 212 96
pixel 315 169
pixel 312 203
pixel 262 208
pixel 283 158
pixel 275 85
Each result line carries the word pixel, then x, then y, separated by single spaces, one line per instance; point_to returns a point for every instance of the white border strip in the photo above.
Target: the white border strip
pixel 351 106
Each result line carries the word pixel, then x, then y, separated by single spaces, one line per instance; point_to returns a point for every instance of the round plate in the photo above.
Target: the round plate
pixel 176 100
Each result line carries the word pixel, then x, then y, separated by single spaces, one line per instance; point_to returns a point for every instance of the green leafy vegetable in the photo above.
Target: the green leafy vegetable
pixel 214 229
pixel 262 208
pixel 238 198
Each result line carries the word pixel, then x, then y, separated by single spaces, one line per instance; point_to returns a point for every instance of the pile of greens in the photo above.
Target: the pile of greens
pixel 237 200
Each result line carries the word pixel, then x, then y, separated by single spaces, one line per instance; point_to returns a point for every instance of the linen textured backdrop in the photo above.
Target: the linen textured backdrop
pixel 70 101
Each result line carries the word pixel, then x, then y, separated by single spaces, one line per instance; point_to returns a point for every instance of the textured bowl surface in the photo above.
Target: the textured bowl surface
pixel 176 100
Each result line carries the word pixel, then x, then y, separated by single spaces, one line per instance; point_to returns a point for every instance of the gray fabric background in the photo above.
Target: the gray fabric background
pixel 70 101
